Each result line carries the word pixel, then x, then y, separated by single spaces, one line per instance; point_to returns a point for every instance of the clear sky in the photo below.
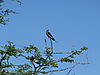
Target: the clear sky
pixel 73 23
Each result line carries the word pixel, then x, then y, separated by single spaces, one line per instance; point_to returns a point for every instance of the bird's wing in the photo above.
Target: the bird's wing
pixel 50 36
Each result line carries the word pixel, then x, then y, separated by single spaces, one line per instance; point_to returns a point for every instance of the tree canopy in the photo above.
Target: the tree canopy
pixel 38 62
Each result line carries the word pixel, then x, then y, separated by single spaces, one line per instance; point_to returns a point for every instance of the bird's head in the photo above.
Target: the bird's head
pixel 47 30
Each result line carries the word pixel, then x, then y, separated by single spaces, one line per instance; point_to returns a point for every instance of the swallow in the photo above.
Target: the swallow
pixel 49 35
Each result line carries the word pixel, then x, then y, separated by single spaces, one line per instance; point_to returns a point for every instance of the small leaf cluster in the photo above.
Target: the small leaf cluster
pixel 6 52
pixel 1 1
pixel 73 54
pixel 65 59
pixel 4 13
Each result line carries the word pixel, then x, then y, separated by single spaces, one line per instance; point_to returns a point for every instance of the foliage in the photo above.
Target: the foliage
pixel 4 13
pixel 38 62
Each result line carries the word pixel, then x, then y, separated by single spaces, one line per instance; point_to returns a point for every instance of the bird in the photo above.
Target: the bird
pixel 49 35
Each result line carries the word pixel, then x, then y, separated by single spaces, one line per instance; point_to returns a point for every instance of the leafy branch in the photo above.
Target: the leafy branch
pixel 37 62
pixel 4 13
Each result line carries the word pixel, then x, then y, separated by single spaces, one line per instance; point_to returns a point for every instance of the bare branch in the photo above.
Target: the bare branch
pixel 62 69
pixel 69 72
pixel 58 60
pixel 63 52
pixel 81 62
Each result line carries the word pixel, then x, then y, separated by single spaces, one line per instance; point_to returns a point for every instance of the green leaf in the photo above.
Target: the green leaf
pixel 66 60
pixel 84 48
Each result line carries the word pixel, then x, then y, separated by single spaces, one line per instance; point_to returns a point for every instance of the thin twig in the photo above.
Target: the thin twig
pixel 69 72
pixel 63 52
pixel 51 45
pixel 62 69
pixel 45 43
pixel 87 58
pixel 58 60
pixel 82 62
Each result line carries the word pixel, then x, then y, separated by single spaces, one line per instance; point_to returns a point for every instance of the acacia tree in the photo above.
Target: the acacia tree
pixel 39 62
pixel 35 62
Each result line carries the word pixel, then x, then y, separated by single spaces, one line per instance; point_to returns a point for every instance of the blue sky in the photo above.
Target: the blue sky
pixel 73 23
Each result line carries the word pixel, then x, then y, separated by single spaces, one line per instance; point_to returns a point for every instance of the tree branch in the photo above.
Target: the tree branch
pixel 62 69
pixel 63 52
pixel 69 72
